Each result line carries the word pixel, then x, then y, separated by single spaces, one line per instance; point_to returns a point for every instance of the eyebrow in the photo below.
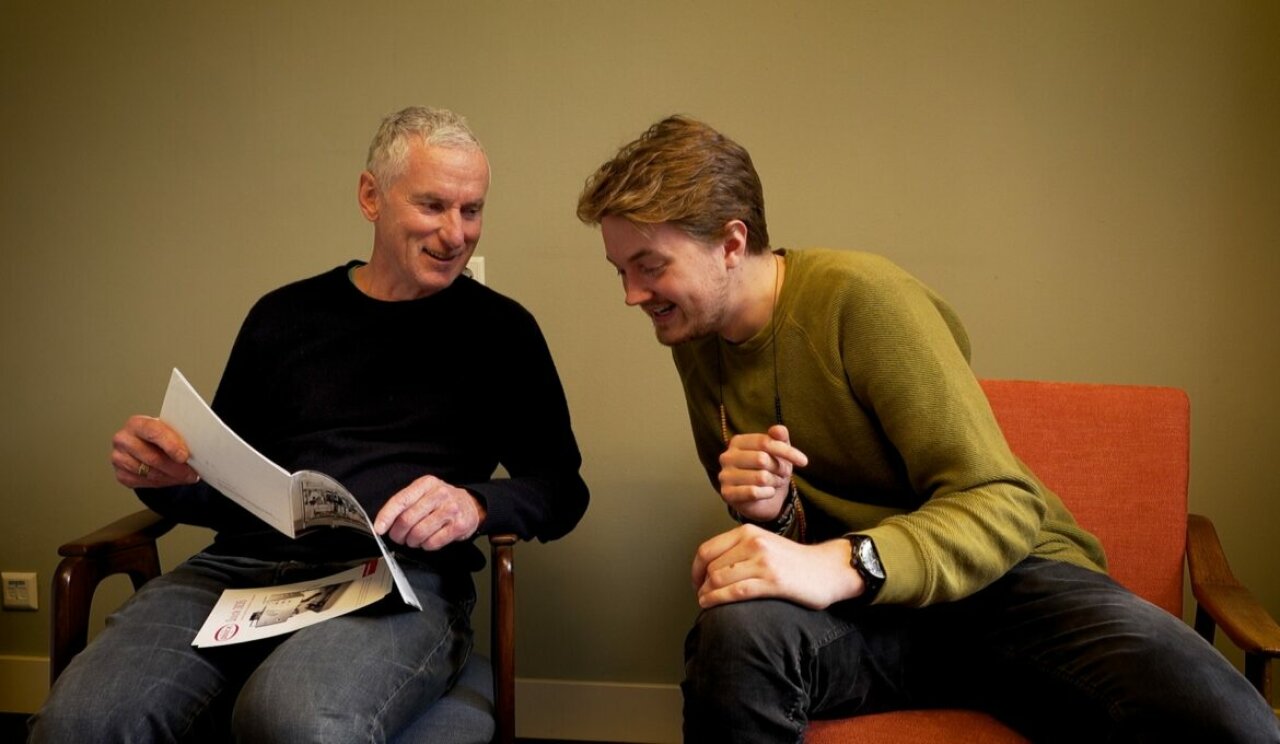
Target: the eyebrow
pixel 641 254
pixel 431 196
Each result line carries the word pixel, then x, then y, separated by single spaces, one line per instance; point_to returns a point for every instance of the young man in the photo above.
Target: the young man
pixel 356 373
pixel 892 552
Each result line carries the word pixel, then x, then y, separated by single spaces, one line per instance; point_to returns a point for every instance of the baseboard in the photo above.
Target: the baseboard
pixel 545 708
pixel 597 711
pixel 24 682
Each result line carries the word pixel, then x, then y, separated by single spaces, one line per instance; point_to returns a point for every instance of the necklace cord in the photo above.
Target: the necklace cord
pixel 793 510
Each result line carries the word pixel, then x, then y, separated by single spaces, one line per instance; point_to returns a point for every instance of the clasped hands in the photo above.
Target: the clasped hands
pixel 427 514
pixel 751 563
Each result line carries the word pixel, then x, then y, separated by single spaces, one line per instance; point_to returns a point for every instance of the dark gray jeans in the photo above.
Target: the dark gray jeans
pixel 360 677
pixel 1057 652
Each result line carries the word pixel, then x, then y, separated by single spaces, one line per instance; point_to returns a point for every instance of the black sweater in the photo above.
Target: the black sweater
pixel 377 394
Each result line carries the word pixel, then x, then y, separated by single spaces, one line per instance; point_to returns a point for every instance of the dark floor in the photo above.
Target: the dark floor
pixel 13 728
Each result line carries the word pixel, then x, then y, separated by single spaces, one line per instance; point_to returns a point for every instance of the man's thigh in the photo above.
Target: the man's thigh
pixel 365 675
pixel 793 663
pixel 1064 653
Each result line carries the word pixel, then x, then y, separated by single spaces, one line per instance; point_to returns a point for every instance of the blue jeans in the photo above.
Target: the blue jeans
pixel 360 677
pixel 1057 652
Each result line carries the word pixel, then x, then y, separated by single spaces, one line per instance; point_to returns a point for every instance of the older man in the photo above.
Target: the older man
pixel 357 372
pixel 893 552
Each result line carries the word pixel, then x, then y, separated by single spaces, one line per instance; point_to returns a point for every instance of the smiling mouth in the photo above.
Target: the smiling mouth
pixel 438 256
pixel 660 312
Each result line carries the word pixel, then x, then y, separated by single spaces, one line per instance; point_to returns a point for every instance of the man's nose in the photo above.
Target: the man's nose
pixel 634 293
pixel 451 229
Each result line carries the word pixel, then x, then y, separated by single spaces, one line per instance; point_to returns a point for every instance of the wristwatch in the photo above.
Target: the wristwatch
pixel 866 561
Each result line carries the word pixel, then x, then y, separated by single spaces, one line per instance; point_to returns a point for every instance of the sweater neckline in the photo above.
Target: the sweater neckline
pixel 353 293
pixel 766 336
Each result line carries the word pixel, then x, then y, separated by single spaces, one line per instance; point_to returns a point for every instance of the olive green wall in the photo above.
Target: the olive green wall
pixel 1092 184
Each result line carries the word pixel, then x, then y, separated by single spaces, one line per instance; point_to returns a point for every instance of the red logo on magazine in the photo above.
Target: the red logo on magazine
pixel 226 632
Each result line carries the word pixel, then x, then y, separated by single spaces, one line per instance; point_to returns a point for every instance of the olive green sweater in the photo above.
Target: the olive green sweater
pixel 874 380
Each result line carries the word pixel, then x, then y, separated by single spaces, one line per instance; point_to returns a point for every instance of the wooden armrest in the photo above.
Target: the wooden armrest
pixel 126 546
pixel 1223 601
pixel 1230 604
pixel 143 526
pixel 502 638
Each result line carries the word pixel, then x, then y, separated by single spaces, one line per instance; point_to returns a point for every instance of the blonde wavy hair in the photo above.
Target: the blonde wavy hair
pixel 681 172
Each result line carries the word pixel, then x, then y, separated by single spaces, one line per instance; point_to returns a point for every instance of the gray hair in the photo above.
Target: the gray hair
pixel 389 151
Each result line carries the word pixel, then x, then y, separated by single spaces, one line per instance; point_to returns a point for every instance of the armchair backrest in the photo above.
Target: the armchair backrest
pixel 1118 457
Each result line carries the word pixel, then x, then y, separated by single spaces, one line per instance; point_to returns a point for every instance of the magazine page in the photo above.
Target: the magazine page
pixel 226 461
pixel 250 614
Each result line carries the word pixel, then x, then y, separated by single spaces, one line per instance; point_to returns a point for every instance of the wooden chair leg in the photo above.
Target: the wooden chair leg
pixel 1205 625
pixel 502 640
pixel 73 585
pixel 1257 669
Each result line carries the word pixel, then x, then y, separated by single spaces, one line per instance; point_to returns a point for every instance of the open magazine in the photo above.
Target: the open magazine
pixel 293 503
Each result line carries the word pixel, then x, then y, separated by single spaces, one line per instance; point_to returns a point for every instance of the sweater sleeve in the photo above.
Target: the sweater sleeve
pixel 906 358
pixel 543 495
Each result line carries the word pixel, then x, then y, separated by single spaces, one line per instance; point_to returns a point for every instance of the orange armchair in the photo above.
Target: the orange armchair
pixel 1091 443
pixel 128 546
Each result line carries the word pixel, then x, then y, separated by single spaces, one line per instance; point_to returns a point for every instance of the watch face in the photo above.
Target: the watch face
pixel 869 558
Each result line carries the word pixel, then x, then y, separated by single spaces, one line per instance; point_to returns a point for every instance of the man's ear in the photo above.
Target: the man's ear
pixel 367 196
pixel 734 243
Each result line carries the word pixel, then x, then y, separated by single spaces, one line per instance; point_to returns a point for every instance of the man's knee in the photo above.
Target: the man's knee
pixel 746 651
pixel 1203 698
pixel 742 629
pixel 743 645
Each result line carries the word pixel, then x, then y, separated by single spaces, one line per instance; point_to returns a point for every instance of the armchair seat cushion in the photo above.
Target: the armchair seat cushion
pixel 914 727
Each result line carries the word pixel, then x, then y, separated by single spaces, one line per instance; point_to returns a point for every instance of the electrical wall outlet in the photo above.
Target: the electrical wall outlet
pixel 20 592
pixel 475 268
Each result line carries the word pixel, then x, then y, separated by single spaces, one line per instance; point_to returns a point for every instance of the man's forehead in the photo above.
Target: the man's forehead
pixel 447 174
pixel 624 240
pixel 631 241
